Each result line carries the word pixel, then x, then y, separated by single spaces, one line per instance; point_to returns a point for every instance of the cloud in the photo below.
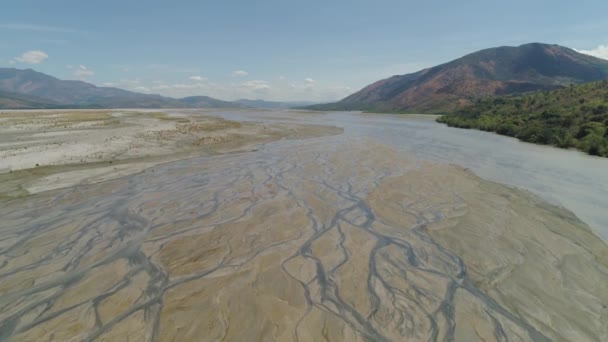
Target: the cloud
pixel 600 52
pixel 109 84
pixel 82 72
pixel 197 78
pixel 256 85
pixel 31 57
pixel 239 73
pixel 309 84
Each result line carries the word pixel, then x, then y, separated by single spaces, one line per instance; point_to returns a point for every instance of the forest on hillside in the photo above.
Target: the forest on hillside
pixel 572 117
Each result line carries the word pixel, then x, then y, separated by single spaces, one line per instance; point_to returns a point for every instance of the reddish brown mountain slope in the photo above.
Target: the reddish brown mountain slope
pixel 503 70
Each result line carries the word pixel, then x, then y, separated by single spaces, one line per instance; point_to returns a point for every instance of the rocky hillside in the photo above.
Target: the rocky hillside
pixel 496 71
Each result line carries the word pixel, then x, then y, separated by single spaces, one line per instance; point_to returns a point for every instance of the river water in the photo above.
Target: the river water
pixel 335 237
pixel 571 179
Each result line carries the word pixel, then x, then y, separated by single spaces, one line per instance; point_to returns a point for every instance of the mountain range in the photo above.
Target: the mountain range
pixel 444 88
pixel 456 84
pixel 273 104
pixel 29 89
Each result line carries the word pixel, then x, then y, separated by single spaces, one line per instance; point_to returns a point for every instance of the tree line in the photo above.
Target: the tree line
pixel 572 117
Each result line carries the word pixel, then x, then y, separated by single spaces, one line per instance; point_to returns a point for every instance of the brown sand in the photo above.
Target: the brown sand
pixel 304 242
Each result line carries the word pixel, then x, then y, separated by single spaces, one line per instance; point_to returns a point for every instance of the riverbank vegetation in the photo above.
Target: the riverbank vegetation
pixel 571 117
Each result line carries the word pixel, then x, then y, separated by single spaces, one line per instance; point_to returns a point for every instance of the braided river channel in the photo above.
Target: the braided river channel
pixel 397 229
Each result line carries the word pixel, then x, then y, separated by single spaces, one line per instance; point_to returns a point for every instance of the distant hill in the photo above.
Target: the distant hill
pixel 497 71
pixel 273 105
pixel 32 89
pixel 16 101
pixel 207 102
pixel 576 116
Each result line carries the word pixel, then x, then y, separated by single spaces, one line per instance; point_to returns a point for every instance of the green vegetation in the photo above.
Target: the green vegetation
pixel 576 116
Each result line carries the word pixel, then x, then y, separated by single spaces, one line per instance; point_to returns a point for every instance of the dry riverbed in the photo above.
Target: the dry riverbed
pixel 328 239
pixel 44 150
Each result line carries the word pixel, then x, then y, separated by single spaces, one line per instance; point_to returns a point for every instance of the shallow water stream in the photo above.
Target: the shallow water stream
pixel 572 179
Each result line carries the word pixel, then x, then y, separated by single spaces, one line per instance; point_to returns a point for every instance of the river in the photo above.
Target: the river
pixel 345 237
pixel 568 178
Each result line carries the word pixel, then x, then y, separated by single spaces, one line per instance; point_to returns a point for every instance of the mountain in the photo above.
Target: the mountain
pixel 207 102
pixel 32 89
pixel 497 71
pixel 273 105
pixel 16 101
pixel 576 116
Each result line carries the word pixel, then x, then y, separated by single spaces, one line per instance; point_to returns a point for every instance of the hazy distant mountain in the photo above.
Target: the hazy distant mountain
pixel 496 71
pixel 10 100
pixel 207 102
pixel 32 89
pixel 273 105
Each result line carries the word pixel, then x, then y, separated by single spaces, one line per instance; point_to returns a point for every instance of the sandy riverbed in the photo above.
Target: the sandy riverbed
pixel 333 238
pixel 44 150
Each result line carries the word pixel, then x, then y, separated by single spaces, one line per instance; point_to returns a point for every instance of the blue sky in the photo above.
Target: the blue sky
pixel 276 50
